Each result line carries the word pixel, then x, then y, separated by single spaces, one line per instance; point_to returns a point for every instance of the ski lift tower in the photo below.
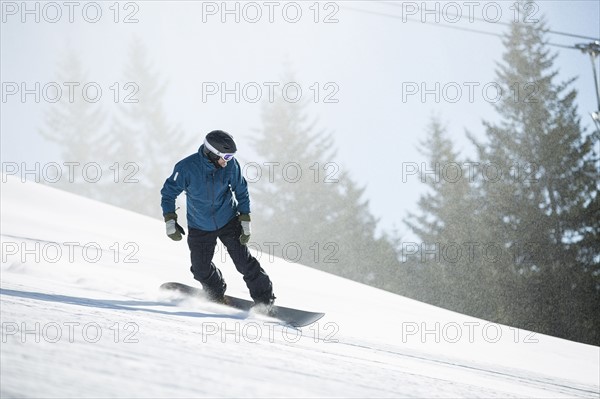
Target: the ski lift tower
pixel 593 49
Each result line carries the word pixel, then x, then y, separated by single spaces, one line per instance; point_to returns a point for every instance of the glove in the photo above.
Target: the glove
pixel 174 230
pixel 246 231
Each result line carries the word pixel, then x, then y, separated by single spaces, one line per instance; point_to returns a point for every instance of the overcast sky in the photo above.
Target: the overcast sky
pixel 362 65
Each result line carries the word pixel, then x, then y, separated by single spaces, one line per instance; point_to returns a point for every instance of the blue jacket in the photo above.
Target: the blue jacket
pixel 209 190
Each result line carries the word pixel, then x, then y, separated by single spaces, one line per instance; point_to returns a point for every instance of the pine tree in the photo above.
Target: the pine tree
pixel 77 125
pixel 145 145
pixel 449 262
pixel 549 181
pixel 322 212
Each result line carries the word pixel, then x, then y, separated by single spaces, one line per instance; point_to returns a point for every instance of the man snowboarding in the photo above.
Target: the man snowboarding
pixel 210 178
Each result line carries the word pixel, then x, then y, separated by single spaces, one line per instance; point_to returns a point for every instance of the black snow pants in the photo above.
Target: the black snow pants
pixel 202 248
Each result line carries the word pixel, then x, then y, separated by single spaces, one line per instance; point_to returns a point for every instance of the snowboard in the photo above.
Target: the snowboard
pixel 291 316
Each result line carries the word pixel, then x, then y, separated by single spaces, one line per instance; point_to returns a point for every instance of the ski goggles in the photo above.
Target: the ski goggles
pixel 214 157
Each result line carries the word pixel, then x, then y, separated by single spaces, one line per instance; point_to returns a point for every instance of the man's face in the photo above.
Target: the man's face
pixel 222 162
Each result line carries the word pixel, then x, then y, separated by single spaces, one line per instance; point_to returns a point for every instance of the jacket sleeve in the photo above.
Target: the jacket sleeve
pixel 240 187
pixel 173 186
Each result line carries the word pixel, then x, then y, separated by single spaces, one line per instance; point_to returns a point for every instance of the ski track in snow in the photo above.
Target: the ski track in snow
pixel 75 328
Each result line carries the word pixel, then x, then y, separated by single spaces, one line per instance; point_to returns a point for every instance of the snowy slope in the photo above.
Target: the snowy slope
pixel 82 317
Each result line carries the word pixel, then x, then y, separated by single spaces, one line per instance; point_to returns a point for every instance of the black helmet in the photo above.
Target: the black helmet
pixel 219 144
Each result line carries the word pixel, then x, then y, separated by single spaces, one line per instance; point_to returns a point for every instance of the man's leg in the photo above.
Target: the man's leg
pixel 257 280
pixel 202 248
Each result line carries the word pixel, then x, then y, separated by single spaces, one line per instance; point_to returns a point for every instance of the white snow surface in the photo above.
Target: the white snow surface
pixel 78 322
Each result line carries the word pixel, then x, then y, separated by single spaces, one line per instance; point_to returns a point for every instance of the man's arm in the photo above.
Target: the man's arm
pixel 173 186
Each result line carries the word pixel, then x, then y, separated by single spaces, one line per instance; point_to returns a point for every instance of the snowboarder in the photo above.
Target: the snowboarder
pixel 210 178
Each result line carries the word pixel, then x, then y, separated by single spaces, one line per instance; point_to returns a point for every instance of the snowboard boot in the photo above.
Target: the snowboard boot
pixel 264 302
pixel 215 287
